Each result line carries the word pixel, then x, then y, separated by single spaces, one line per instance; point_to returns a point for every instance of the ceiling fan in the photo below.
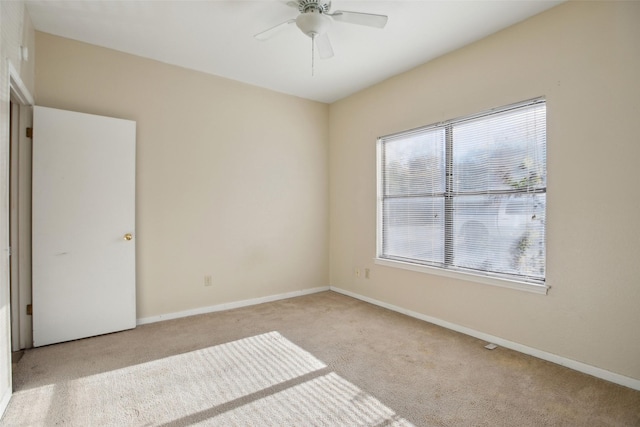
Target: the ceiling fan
pixel 315 19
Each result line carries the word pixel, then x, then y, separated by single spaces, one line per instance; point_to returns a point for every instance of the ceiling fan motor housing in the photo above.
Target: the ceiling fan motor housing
pixel 313 23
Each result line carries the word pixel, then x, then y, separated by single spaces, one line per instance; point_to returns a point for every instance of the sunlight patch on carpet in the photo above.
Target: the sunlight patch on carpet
pixel 327 400
pixel 261 380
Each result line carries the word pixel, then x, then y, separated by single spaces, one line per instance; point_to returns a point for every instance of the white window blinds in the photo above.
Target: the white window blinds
pixel 468 194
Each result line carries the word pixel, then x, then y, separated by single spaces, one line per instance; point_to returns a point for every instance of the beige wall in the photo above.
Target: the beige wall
pixel 585 58
pixel 231 179
pixel 16 30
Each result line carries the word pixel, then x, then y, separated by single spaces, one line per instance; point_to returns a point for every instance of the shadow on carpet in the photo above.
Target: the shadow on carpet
pixel 258 381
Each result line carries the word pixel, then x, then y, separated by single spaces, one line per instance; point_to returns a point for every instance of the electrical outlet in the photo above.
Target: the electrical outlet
pixel 366 273
pixel 357 272
pixel 208 280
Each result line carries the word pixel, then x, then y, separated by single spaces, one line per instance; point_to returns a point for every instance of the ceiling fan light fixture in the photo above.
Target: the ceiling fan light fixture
pixel 313 23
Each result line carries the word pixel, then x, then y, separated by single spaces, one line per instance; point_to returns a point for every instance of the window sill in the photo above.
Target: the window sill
pixel 493 281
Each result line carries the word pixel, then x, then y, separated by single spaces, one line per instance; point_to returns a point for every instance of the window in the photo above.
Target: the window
pixel 468 195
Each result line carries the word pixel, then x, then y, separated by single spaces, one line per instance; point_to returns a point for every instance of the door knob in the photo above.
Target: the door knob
pixel 128 236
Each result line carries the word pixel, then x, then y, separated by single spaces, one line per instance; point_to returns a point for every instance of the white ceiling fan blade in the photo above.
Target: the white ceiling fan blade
pixel 368 19
pixel 293 4
pixel 267 34
pixel 324 46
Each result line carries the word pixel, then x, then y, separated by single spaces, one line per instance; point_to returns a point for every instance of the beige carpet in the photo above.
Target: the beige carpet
pixel 323 359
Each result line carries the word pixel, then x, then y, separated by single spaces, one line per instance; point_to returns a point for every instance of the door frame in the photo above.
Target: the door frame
pixel 20 211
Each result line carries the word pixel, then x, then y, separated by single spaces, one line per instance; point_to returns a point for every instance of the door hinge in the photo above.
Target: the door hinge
pixel 29 309
pixel 9 251
pixel 29 132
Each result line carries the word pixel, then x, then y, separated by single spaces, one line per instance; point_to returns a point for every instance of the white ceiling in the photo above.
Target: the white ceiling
pixel 216 37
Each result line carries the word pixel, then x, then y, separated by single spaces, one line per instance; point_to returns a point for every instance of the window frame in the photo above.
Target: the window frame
pixel 495 279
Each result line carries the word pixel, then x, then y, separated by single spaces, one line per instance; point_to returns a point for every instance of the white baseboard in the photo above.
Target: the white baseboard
pixel 229 305
pixel 4 401
pixel 569 363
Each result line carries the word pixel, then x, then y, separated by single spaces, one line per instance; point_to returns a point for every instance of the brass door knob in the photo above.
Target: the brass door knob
pixel 128 236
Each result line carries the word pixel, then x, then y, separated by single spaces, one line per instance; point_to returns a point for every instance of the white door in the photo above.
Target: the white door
pixel 83 227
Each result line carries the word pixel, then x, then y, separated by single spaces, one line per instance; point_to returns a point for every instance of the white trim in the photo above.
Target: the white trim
pixel 15 87
pixel 19 88
pixel 230 305
pixel 563 361
pixel 486 280
pixel 4 402
pixel 21 288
